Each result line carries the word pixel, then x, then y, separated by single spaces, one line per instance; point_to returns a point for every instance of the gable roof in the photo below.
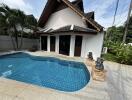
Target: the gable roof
pixel 52 4
pixel 90 15
pixel 79 4
pixel 49 7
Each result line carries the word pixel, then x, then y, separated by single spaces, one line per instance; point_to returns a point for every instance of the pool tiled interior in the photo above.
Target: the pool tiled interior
pixel 118 86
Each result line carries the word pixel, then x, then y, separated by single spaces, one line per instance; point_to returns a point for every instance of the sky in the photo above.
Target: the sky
pixel 104 9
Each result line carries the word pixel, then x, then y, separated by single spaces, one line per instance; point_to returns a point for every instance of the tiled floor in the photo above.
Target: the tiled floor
pixel 118 86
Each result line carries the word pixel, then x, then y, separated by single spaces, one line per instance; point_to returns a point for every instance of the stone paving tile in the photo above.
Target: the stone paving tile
pixel 18 98
pixel 11 87
pixel 6 97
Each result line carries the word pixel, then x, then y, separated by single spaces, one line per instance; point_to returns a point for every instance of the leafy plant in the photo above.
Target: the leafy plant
pixel 13 22
pixel 120 53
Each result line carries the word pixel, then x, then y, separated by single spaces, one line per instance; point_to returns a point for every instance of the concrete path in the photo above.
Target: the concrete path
pixel 119 81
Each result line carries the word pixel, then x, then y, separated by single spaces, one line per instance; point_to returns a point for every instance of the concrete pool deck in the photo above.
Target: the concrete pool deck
pixel 118 86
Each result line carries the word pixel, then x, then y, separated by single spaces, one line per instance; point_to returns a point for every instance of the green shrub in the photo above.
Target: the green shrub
pixel 124 54
pixel 120 52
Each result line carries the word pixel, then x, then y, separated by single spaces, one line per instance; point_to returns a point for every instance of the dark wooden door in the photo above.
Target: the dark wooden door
pixel 78 46
pixel 52 43
pixel 64 44
pixel 44 43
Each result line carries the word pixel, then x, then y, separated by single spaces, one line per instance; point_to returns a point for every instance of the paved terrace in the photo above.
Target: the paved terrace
pixel 118 86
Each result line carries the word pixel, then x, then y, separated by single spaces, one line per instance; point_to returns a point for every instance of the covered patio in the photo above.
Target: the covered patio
pixel 69 40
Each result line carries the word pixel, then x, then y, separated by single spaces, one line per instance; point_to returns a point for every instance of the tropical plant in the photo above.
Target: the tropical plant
pixel 115 34
pixel 13 22
pixel 31 22
pixel 129 35
pixel 118 52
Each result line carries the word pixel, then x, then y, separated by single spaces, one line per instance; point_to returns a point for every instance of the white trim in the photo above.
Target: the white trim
pixel 48 43
pixel 83 48
pixel 72 45
pixel 57 44
pixel 72 27
pixel 40 44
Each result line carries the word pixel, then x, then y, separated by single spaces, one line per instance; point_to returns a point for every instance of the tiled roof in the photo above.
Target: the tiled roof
pixel 89 15
pixel 73 28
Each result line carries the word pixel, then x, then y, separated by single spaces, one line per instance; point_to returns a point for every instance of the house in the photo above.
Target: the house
pixel 66 29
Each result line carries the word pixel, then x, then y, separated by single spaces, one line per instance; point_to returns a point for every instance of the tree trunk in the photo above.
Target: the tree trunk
pixel 16 37
pixel 21 43
pixel 14 47
pixel 127 23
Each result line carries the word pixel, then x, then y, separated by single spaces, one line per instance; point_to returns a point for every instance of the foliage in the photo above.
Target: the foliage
pixel 129 35
pixel 118 52
pixel 13 22
pixel 115 34
pixel 31 21
pixel 109 57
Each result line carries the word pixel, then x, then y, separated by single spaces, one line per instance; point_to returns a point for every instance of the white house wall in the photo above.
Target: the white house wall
pixel 92 43
pixel 64 17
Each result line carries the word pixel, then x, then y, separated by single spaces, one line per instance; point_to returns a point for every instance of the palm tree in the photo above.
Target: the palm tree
pixel 6 16
pixel 21 23
pixel 31 22
pixel 13 22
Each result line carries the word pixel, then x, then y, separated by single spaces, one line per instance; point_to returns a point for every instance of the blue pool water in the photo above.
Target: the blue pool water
pixel 44 71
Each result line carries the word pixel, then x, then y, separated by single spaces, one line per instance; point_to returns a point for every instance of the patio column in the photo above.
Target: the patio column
pixel 48 43
pixel 83 50
pixel 40 44
pixel 57 44
pixel 72 45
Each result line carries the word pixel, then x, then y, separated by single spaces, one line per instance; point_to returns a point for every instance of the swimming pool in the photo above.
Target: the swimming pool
pixel 48 72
